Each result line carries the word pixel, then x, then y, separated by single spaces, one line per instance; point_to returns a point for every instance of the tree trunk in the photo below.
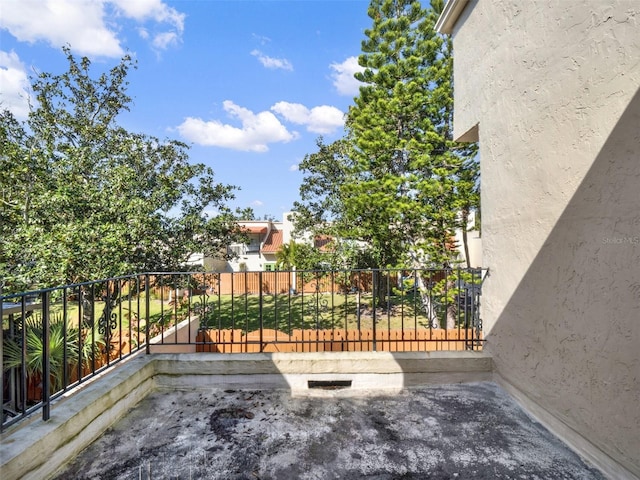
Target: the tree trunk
pixel 452 313
pixel 452 310
pixel 465 242
pixel 380 286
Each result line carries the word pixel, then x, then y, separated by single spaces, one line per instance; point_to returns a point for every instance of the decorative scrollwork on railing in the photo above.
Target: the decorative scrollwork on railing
pixel 107 323
pixel 318 306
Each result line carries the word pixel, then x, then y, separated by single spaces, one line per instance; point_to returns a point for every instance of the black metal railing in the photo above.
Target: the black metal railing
pixel 55 339
pixel 338 310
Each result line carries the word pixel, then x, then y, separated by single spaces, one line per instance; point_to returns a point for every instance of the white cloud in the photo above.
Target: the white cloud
pixel 164 39
pixel 79 23
pixel 87 25
pixel 273 63
pixel 143 32
pixel 343 78
pixel 142 10
pixel 295 167
pixel 257 203
pixel 323 119
pixel 257 131
pixel 14 85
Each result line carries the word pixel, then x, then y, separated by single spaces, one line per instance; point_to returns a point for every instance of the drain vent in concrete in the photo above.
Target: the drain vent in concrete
pixel 329 384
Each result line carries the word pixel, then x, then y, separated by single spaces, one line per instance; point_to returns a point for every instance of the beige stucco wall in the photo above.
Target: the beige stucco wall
pixel 553 87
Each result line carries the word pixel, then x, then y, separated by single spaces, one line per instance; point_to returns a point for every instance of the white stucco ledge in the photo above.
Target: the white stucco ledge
pixel 449 16
pixel 471 135
pixel 35 449
pixel 368 372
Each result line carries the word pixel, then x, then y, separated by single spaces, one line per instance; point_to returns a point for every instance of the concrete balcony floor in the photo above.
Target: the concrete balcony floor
pixel 455 431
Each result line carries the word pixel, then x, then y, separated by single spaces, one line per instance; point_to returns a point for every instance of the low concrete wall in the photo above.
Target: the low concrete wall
pixel 35 450
pixel 382 371
pixel 180 338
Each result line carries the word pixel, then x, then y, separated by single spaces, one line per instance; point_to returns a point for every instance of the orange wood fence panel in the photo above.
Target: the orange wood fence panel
pixel 235 341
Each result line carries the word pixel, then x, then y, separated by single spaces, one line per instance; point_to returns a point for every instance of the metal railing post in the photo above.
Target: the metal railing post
pixel 65 360
pixel 374 279
pixel 147 317
pixel 105 319
pixel 46 360
pixel 260 319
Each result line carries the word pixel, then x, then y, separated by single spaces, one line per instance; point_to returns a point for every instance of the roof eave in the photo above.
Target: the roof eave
pixel 449 16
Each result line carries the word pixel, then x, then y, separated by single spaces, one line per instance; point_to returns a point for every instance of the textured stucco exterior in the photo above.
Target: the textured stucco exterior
pixel 551 89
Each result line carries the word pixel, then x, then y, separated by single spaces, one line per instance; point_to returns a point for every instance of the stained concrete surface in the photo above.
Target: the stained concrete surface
pixel 463 431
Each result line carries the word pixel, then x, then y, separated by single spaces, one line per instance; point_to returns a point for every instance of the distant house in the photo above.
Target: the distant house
pixel 265 239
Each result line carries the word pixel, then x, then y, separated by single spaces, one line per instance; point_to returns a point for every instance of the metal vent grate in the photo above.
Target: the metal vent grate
pixel 329 384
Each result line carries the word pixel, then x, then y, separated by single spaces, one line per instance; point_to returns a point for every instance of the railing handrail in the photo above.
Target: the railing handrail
pixel 201 272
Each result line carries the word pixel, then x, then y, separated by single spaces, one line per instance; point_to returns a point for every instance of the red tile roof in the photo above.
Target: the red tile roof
pixel 273 242
pixel 322 242
pixel 254 229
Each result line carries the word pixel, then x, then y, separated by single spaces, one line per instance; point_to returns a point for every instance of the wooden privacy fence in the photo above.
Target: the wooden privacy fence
pixel 299 340
pixel 284 282
pixel 279 282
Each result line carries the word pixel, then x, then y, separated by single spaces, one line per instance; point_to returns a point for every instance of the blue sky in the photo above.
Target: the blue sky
pixel 249 85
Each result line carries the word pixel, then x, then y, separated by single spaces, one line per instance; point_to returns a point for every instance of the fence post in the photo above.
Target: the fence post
pixel 46 361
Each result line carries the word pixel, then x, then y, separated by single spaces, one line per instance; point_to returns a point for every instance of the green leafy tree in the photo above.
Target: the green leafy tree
pixel 286 256
pixel 82 198
pixel 397 182
pixel 308 257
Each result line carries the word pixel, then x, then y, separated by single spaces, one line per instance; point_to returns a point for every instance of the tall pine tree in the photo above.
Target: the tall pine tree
pixel 397 181
pixel 406 162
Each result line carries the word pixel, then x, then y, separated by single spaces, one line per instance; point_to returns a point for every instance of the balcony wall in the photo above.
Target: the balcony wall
pixel 551 90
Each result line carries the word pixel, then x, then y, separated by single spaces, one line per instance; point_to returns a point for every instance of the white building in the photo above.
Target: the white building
pixel 265 239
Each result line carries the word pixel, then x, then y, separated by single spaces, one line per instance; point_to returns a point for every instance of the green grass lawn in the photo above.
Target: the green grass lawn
pixel 316 311
pixel 250 312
